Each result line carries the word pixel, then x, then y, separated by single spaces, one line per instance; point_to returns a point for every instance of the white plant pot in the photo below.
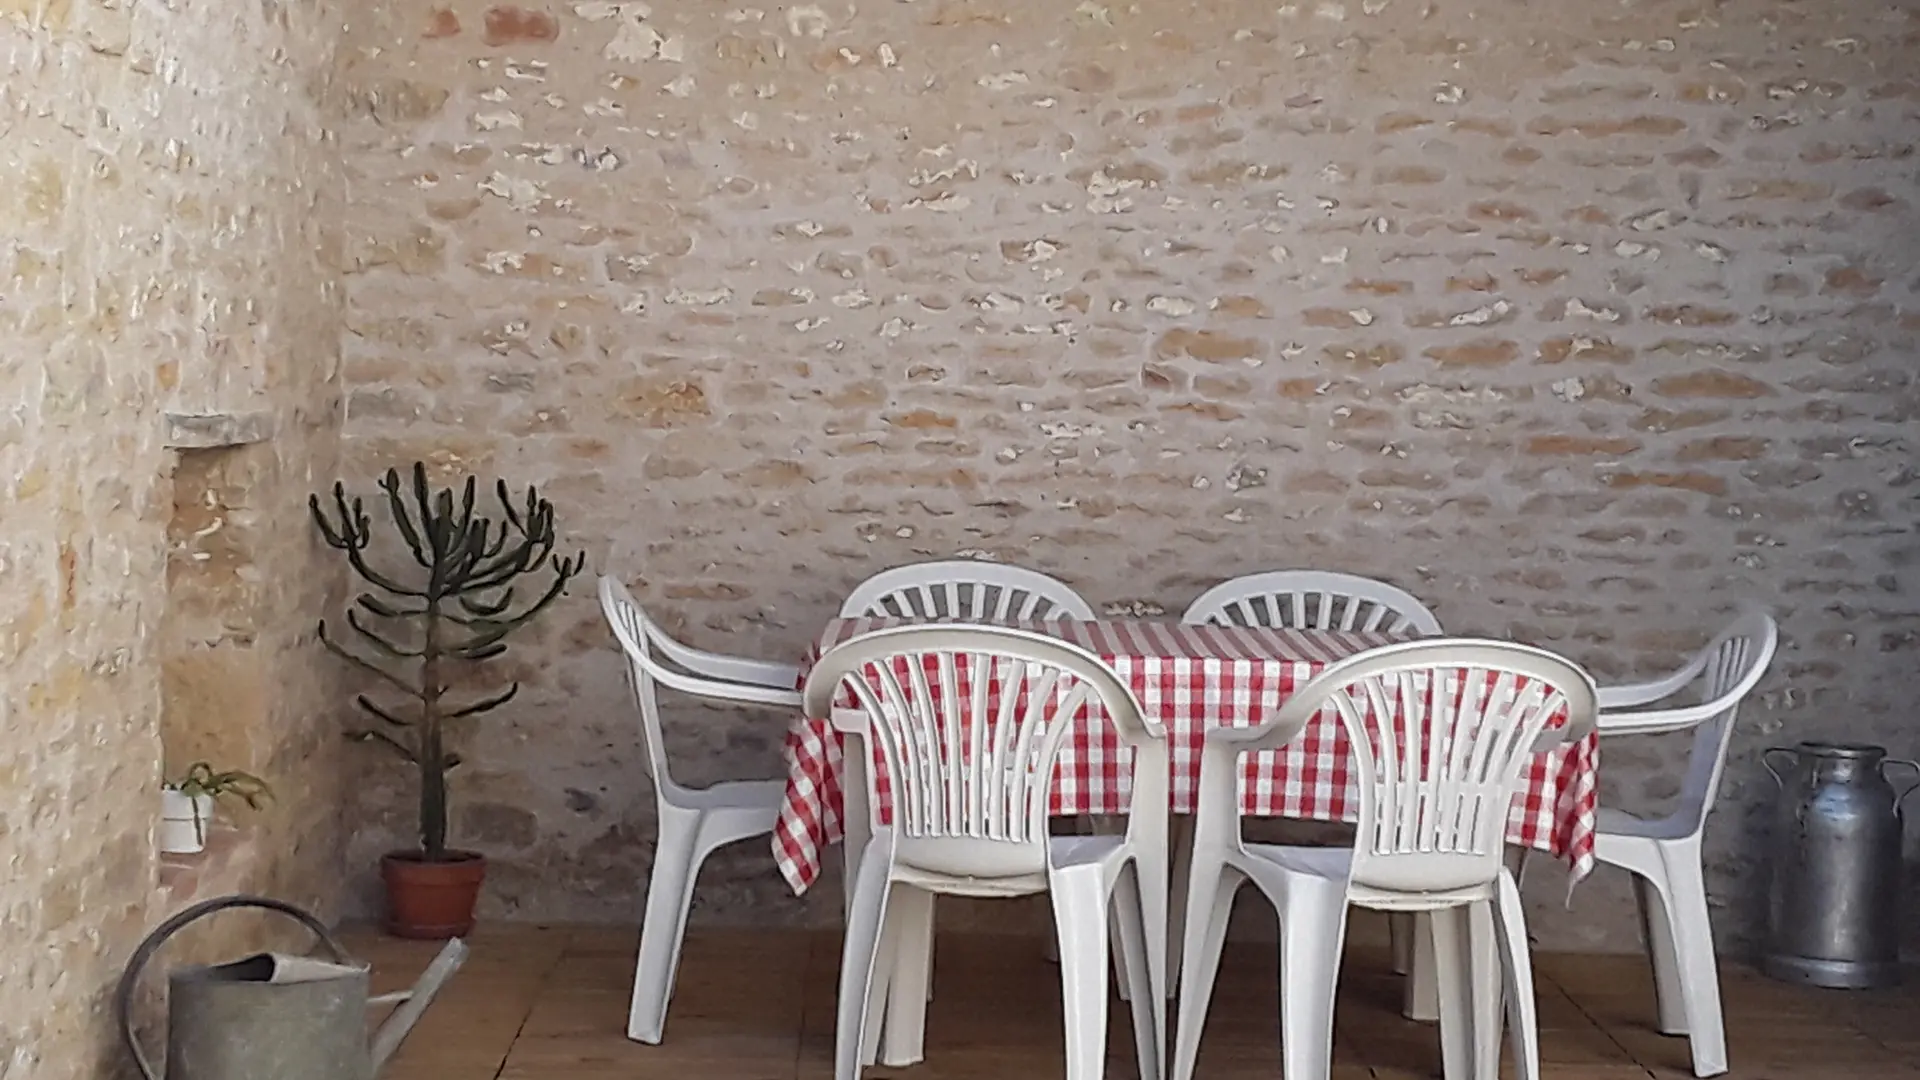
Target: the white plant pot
pixel 183 822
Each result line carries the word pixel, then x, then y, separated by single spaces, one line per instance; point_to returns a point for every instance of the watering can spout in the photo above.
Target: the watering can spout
pixel 415 1001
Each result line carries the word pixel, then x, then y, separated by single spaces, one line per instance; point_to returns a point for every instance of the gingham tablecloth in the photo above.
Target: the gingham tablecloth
pixel 1192 678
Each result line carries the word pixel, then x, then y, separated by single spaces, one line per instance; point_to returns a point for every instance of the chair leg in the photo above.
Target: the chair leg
pixel 1699 972
pixel 1483 974
pixel 1149 1035
pixel 1663 955
pixel 1523 1021
pixel 927 937
pixel 669 894
pixel 1313 930
pixel 1400 931
pixel 1107 825
pixel 1421 991
pixel 1446 959
pixel 1209 907
pixel 862 958
pixel 910 915
pixel 1080 921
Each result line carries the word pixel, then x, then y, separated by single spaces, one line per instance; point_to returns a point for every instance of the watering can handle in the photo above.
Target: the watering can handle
pixel 130 979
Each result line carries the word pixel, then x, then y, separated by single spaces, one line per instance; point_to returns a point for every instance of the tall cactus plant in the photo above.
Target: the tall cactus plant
pixel 458 610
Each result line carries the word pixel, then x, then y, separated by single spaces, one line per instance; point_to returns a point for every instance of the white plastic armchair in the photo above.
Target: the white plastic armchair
pixel 693 822
pixel 1313 600
pixel 1441 732
pixel 1663 854
pixel 964 589
pixel 969 722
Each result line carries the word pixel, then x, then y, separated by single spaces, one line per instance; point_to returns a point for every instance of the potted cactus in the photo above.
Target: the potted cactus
pixel 414 632
pixel 186 804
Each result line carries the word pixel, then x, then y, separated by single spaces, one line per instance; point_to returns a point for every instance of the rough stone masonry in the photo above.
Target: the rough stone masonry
pixel 1579 320
pixel 169 215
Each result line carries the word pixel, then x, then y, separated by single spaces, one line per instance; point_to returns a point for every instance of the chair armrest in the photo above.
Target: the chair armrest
pixel 719 690
pixel 1216 797
pixel 733 669
pixel 1658 721
pixel 1646 693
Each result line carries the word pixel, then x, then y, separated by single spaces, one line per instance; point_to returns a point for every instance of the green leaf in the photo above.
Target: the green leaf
pixel 485 704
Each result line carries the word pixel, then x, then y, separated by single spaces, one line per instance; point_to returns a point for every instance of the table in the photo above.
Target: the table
pixel 1191 678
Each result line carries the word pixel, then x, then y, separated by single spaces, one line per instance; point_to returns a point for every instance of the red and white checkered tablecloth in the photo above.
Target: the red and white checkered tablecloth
pixel 1191 678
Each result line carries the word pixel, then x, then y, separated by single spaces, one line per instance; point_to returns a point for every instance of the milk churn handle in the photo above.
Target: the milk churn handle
pixel 1766 758
pixel 1901 796
pixel 130 979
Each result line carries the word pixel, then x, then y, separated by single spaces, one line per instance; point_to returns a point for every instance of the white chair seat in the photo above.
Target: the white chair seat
pixel 1329 863
pixel 1617 823
pixel 1098 858
pixel 753 795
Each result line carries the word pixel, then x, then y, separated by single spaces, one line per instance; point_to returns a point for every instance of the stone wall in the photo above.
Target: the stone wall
pixel 1579 320
pixel 166 197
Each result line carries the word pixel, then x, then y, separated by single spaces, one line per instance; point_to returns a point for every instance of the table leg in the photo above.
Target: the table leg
pixel 1180 856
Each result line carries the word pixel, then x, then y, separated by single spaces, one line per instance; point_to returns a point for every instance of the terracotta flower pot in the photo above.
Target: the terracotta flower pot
pixel 432 900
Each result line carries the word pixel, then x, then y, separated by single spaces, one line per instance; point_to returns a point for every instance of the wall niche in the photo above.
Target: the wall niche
pixel 217 697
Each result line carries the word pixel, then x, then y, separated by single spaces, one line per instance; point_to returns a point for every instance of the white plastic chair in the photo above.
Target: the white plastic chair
pixel 693 822
pixel 1313 600
pixel 970 768
pixel 1663 854
pixel 1435 776
pixel 964 589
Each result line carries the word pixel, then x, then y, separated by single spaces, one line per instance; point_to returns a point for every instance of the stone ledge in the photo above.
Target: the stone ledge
pixel 210 431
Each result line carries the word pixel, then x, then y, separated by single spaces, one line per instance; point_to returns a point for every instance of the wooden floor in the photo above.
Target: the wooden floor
pixel 550 1003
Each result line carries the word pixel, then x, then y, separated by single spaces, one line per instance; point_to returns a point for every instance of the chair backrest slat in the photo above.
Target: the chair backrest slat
pixel 963 589
pixel 1313 600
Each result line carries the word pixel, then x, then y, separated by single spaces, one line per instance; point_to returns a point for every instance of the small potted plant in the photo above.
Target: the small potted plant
pixel 186 804
pixel 418 631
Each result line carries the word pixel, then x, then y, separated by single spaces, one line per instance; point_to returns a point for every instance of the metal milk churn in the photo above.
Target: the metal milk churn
pixel 1833 912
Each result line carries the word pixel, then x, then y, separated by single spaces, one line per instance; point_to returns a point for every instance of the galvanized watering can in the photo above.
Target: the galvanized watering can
pixel 271 1016
pixel 1834 907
